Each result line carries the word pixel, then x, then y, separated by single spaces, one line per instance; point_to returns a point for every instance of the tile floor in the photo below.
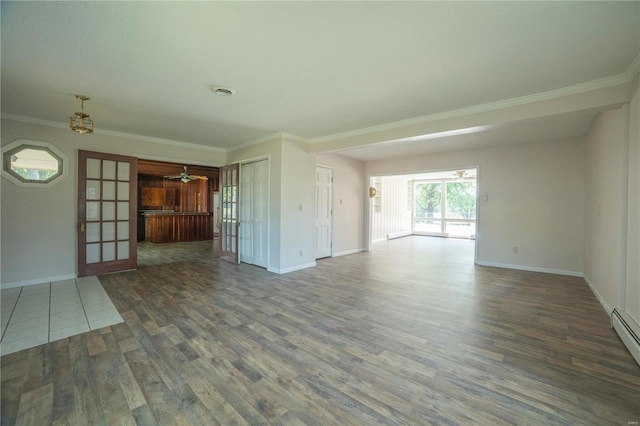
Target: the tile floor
pixel 37 314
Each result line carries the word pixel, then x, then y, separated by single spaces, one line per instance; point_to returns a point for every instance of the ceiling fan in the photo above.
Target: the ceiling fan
pixel 186 177
pixel 464 174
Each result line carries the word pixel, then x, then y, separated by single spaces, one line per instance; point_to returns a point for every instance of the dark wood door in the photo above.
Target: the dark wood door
pixel 229 224
pixel 107 205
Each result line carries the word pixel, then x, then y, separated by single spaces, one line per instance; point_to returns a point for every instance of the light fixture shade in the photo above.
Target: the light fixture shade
pixel 81 122
pixel 185 179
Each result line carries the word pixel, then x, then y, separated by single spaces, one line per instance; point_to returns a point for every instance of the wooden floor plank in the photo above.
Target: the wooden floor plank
pixel 36 406
pixel 410 333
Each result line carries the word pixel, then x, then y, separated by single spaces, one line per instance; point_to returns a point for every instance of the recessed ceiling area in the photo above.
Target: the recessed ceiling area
pixel 310 69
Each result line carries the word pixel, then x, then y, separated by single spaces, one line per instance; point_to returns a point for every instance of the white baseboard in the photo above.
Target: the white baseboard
pixel 292 268
pixel 398 235
pixel 531 268
pixel 344 253
pixel 38 281
pixel 604 304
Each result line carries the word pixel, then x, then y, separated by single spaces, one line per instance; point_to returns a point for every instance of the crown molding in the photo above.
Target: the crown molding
pixel 59 125
pixel 257 141
pixel 633 69
pixel 602 83
pixel 293 137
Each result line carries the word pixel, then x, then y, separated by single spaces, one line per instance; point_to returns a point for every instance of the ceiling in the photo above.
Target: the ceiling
pixel 309 69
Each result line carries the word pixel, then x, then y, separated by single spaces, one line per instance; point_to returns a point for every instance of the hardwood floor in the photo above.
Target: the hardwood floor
pixel 411 333
pixel 164 253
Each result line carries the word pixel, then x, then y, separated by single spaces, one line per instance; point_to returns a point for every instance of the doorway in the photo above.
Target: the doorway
pixel 175 212
pixel 437 204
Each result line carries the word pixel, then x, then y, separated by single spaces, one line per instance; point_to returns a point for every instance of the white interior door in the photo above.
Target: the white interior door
pixel 246 213
pixel 260 213
pixel 254 237
pixel 324 187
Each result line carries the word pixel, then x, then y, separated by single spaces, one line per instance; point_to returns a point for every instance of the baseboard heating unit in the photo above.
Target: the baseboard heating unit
pixel 628 330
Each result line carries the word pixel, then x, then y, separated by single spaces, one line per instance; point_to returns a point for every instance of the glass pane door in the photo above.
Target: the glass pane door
pixel 229 179
pixel 106 213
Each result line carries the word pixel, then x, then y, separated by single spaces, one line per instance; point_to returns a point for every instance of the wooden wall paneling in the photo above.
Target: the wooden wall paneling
pixel 152 197
pixel 169 228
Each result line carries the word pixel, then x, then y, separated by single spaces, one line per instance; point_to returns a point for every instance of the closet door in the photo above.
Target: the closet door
pixel 246 216
pixel 260 213
pixel 254 229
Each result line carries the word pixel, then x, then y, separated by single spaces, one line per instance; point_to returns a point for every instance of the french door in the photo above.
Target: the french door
pixel 107 204
pixel 229 224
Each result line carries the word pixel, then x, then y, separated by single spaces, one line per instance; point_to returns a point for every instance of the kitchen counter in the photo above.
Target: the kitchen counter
pixel 168 227
pixel 172 213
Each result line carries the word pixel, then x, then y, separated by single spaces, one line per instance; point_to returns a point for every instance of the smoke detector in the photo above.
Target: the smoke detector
pixel 223 91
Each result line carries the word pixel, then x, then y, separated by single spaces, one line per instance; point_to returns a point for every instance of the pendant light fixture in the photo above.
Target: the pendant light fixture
pixel 81 122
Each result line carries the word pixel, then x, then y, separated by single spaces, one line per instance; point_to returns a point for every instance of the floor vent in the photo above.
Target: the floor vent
pixel 628 330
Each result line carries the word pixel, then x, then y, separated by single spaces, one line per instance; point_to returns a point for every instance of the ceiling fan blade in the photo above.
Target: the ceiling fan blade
pixel 194 177
pixel 173 177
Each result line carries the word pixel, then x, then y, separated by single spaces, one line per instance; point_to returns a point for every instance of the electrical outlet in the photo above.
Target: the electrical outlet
pixel 515 249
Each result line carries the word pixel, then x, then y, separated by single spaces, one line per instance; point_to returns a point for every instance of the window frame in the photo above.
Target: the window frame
pixel 443 219
pixel 22 144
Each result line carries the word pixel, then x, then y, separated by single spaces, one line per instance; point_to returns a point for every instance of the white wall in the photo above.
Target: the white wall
pixel 38 241
pixel 394 216
pixel 349 197
pixel 632 297
pixel 536 196
pixel 297 243
pixel 605 206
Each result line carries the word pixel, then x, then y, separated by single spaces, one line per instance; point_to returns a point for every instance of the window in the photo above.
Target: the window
pixel 444 207
pixel 33 163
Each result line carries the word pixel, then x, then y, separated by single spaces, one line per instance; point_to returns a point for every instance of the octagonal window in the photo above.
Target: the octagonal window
pixel 28 163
